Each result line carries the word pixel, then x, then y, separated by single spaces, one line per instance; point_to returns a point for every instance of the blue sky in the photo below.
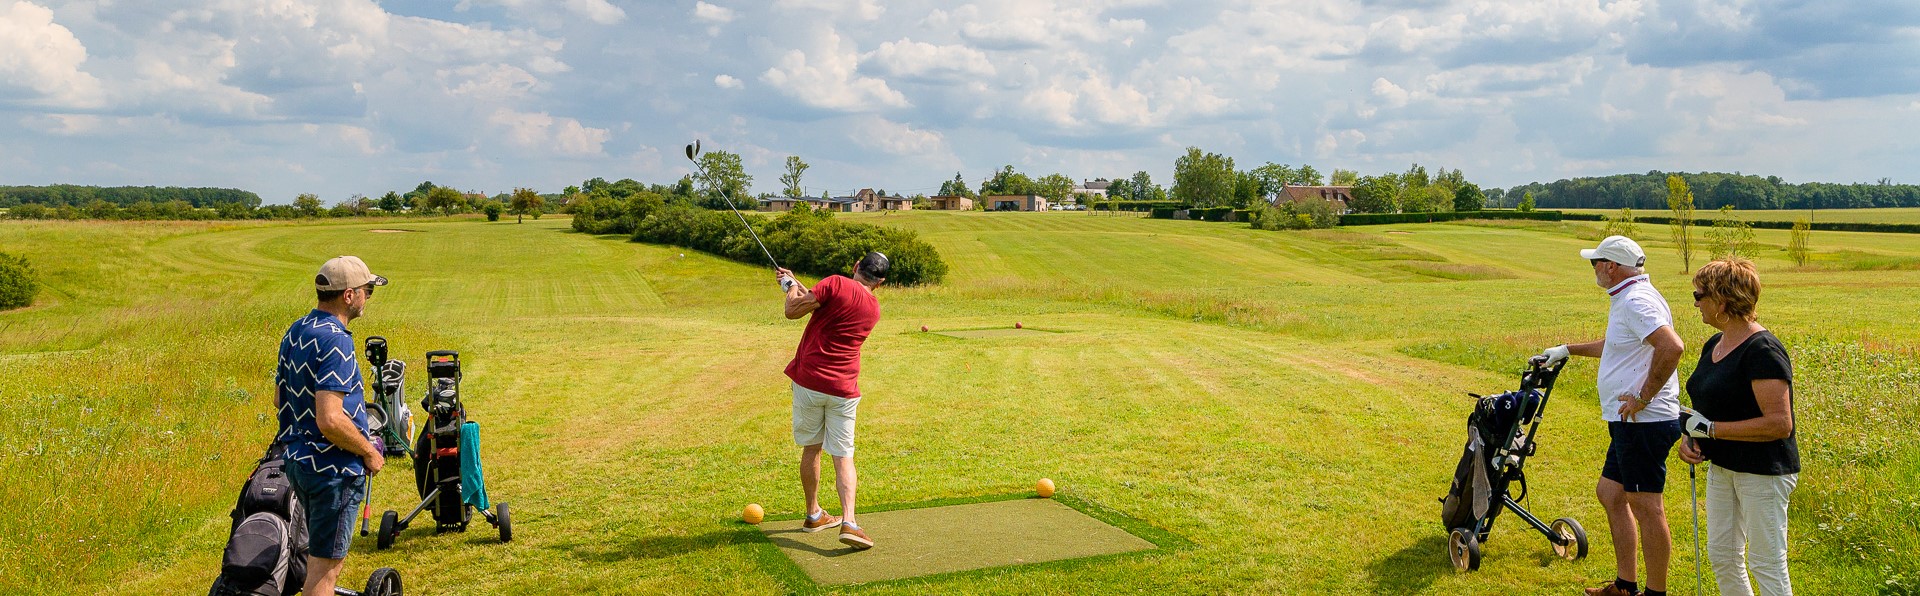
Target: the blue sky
pixel 338 97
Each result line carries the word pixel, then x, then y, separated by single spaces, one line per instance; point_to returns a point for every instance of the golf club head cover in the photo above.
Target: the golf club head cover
pixel 1694 424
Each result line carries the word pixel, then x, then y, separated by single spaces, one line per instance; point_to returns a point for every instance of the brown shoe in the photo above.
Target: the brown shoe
pixel 821 523
pixel 1611 589
pixel 852 536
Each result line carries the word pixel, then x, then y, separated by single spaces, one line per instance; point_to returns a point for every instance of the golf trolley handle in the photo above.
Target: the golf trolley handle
pixel 438 359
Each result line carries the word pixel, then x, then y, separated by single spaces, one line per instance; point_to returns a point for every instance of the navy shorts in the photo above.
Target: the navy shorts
pixel 330 502
pixel 1637 457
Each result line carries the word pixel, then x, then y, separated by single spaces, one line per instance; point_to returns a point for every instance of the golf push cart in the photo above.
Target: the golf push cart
pixel 266 553
pixel 446 461
pixel 1500 438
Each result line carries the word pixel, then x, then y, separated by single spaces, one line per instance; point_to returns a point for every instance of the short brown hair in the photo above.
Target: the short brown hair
pixel 1733 281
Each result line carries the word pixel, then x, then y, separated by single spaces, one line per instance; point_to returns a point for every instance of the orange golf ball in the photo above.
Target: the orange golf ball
pixel 1016 324
pixel 753 514
pixel 923 328
pixel 1044 487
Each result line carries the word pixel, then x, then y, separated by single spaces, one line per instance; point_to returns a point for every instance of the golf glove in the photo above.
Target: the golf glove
pixel 1695 425
pixel 1551 356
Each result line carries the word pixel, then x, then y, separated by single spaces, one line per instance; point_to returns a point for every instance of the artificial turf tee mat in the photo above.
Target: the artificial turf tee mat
pixel 948 538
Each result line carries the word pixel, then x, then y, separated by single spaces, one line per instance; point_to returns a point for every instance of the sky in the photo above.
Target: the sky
pixel 344 97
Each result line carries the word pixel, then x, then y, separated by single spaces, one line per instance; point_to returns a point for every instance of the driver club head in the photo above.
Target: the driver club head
pixel 693 150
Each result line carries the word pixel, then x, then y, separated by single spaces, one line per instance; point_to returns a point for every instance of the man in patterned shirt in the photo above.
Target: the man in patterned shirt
pixel 323 418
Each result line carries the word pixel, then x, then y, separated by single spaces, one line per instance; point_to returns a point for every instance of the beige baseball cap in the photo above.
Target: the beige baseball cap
pixel 340 273
pixel 1619 249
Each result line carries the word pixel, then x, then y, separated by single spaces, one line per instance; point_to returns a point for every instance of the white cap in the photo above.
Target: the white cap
pixel 1619 249
pixel 340 273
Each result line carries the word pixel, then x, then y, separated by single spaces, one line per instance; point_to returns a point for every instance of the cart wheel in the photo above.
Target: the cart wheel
pixel 1572 543
pixel 504 520
pixel 389 528
pixel 219 586
pixel 385 582
pixel 1464 550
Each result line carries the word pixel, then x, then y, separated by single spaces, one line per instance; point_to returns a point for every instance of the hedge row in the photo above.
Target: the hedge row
pixel 1829 226
pixel 806 241
pixel 17 283
pixel 1170 206
pixel 1368 219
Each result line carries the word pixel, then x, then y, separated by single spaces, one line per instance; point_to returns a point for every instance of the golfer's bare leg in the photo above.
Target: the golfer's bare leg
pixel 810 476
pixel 322 574
pixel 1656 539
pixel 1620 523
pixel 844 481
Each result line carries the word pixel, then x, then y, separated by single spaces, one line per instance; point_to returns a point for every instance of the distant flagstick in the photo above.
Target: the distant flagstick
pixel 693 155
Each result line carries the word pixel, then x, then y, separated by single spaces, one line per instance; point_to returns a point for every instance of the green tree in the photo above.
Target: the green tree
pixel 791 180
pixel 1056 187
pixel 1731 235
pixel 1468 197
pixel 1797 244
pixel 1273 177
pixel 1007 181
pixel 307 204
pixel 525 201
pixel 1426 199
pixel 957 187
pixel 493 209
pixel 1376 194
pixel 1203 179
pixel 1622 225
pixel 1248 190
pixel 1680 201
pixel 1526 204
pixel 391 202
pixel 1307 176
pixel 1344 177
pixel 1143 188
pixel 18 283
pixel 722 178
pixel 443 198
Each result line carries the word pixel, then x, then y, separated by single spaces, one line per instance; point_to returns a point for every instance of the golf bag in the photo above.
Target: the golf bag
pixel 1501 434
pixel 388 417
pixel 446 460
pixel 266 552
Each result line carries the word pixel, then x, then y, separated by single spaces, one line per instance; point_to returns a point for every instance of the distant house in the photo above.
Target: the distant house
pixel 1340 196
pixel 1014 202
pixel 872 201
pixel 1096 187
pixel 952 203
pixel 840 204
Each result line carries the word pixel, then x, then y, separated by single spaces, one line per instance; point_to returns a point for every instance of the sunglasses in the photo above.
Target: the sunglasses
pixel 1699 295
pixel 369 289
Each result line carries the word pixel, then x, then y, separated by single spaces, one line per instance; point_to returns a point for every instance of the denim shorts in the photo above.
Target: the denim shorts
pixel 1637 457
pixel 330 502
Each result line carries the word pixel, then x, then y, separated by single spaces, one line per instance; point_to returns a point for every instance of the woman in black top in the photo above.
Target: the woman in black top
pixel 1742 423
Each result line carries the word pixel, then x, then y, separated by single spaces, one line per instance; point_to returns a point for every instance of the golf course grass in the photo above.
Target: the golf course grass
pixel 1888 215
pixel 1289 404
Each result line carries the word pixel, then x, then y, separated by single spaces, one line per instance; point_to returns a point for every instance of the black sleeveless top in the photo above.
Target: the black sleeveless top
pixel 1723 392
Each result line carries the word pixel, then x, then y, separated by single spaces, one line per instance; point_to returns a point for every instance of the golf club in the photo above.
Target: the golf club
pixel 366 506
pixel 693 155
pixel 1695 499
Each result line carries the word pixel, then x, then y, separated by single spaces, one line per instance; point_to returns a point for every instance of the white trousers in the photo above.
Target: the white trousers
pixel 1747 531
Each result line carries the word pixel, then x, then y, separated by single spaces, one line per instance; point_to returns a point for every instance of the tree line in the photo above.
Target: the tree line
pixel 1711 190
pixel 77 195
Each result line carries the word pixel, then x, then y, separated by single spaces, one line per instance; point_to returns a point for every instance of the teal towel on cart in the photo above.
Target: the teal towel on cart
pixel 472 484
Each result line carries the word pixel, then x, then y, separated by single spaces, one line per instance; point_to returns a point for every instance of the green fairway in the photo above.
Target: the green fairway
pixel 1291 403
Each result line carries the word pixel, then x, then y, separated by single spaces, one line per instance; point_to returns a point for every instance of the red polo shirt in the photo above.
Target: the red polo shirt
pixel 828 359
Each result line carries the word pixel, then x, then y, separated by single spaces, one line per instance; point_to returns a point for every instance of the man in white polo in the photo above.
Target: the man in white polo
pixel 1639 399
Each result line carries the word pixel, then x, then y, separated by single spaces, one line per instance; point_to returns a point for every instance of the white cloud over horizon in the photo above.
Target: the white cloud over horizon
pixel 340 97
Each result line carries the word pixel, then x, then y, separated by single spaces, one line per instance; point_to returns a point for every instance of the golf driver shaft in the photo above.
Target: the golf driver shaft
pixel 693 155
pixel 1694 499
pixel 366 505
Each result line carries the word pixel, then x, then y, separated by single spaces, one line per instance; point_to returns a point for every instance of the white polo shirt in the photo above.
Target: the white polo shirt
pixel 1638 310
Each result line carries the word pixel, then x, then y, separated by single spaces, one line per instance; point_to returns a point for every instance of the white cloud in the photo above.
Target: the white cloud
pixel 598 11
pixel 727 82
pixel 540 131
pixel 865 10
pixel 41 59
pixel 1391 93
pixel 909 58
pixel 711 13
pixel 826 78
pixel 895 138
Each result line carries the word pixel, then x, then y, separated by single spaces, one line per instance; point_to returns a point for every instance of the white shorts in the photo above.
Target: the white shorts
pixel 824 420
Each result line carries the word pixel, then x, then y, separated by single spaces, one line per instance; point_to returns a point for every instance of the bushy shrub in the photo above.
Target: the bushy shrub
pixel 1161 212
pixel 1138 205
pixel 1294 215
pixel 493 209
pixel 806 241
pixel 17 283
pixel 603 214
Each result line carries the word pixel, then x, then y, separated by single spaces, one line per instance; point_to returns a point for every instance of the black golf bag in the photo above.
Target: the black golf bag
pixel 437 454
pixel 1500 437
pixel 266 552
pixel 388 417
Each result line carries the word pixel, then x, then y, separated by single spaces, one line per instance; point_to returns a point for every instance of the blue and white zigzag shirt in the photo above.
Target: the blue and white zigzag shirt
pixel 317 354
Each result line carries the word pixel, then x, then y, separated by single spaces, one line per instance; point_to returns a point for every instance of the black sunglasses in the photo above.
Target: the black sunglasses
pixel 369 289
pixel 1699 295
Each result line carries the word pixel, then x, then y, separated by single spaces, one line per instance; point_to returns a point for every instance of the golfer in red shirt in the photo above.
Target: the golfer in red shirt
pixel 826 383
